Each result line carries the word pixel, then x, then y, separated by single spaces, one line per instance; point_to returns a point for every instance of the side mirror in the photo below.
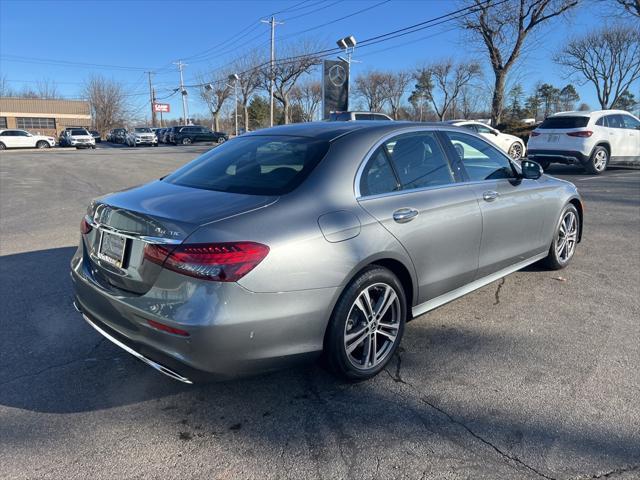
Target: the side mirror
pixel 495 132
pixel 531 170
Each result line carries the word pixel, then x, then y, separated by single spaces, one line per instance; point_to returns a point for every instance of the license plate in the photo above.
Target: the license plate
pixel 553 138
pixel 112 248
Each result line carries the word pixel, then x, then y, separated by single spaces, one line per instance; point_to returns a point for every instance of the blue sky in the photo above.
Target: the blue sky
pixel 125 38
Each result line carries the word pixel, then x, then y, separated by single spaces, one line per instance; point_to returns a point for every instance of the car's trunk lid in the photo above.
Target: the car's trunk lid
pixel 158 212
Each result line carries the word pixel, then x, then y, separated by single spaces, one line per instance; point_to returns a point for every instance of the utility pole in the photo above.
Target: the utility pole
pixel 183 92
pixel 272 22
pixel 152 99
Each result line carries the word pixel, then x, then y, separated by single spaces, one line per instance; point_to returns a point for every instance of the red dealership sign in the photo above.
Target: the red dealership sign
pixel 161 107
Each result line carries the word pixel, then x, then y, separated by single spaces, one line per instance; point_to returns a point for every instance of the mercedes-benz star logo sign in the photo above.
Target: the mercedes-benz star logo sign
pixel 337 75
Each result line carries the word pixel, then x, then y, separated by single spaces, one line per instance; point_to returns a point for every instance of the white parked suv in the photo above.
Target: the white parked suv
pixel 24 139
pixel 511 144
pixel 590 139
pixel 141 136
pixel 77 137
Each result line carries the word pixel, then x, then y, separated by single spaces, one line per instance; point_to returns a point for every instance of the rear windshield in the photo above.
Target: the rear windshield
pixel 564 122
pixel 256 165
pixel 340 116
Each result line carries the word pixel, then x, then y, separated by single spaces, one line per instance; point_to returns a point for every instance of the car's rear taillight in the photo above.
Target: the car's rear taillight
pixel 581 134
pixel 534 134
pixel 85 227
pixel 222 262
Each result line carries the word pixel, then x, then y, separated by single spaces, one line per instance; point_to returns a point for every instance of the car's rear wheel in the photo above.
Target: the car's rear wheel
pixel 367 325
pixel 2 146
pixel 515 151
pixel 545 164
pixel 42 144
pixel 221 140
pixel 598 161
pixel 565 240
pixel 186 141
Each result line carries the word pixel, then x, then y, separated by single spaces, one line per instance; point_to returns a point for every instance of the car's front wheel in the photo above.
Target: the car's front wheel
pixel 221 140
pixel 42 144
pixel 186 141
pixel 565 240
pixel 366 325
pixel 598 161
pixel 2 146
pixel 515 151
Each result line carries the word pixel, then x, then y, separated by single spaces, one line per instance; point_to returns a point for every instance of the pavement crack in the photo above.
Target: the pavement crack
pixel 475 435
pixel 497 294
pixel 397 377
pixel 612 473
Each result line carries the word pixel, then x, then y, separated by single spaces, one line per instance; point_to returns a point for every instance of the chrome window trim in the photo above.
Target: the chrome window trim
pixel 430 128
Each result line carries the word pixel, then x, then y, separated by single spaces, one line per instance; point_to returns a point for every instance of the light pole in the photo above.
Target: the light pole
pixel 234 78
pixel 183 92
pixel 348 44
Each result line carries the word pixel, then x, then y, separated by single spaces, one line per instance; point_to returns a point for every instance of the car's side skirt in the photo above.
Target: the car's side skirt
pixel 470 287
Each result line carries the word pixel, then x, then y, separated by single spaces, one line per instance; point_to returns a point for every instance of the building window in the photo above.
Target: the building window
pixel 34 122
pixel 3 122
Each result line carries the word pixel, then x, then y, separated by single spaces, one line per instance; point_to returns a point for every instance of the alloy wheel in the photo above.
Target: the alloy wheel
pixel 515 151
pixel 600 160
pixel 372 326
pixel 567 237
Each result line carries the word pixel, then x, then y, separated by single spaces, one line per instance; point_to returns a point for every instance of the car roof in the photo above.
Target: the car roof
pixel 588 113
pixel 330 131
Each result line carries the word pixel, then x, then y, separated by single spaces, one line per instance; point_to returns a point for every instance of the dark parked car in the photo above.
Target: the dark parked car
pixel 96 135
pixel 117 135
pixel 196 134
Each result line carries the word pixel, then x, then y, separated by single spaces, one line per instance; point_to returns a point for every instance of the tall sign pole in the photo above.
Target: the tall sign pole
pixel 183 92
pixel 272 22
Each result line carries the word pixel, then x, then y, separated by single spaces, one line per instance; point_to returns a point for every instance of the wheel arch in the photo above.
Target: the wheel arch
pixel 602 143
pixel 576 202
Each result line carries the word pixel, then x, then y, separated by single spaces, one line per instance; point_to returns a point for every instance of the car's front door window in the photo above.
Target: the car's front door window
pixel 481 160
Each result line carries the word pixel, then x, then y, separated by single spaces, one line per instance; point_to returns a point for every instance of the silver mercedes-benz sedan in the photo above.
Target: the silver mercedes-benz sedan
pixel 312 239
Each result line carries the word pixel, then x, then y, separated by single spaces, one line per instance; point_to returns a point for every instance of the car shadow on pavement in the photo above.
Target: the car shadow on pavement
pixel 52 362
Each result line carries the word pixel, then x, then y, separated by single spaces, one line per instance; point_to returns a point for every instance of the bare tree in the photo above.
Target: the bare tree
pixel 624 7
pixel 370 87
pixel 307 96
pixel 248 71
pixel 469 101
pixel 107 100
pixel 295 62
pixel 215 93
pixel 394 86
pixel 47 89
pixel 503 30
pixel 608 58
pixel 5 88
pixel 442 82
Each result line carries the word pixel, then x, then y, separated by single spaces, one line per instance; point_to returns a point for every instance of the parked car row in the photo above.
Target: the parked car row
pixel 179 135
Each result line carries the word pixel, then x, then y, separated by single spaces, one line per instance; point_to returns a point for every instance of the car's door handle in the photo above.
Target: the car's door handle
pixel 490 196
pixel 404 215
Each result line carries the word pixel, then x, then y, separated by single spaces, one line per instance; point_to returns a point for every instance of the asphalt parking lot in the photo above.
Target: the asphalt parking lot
pixel 533 376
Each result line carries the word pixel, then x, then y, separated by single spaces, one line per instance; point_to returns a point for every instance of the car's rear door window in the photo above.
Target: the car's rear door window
pixel 254 165
pixel 378 176
pixel 481 160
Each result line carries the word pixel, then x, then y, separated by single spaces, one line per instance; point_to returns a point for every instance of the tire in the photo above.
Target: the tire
pixel 42 144
pixel 2 146
pixel 221 140
pixel 598 161
pixel 186 141
pixel 545 164
pixel 349 318
pixel 560 257
pixel 515 151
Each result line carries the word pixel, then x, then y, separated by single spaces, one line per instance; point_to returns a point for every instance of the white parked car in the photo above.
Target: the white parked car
pixel 24 139
pixel 511 144
pixel 77 137
pixel 590 139
pixel 142 136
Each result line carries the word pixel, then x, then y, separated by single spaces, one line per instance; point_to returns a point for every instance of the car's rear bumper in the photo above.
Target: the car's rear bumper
pixel 558 156
pixel 232 331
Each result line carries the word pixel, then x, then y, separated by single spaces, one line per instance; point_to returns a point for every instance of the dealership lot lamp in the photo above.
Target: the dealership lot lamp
pixel 348 44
